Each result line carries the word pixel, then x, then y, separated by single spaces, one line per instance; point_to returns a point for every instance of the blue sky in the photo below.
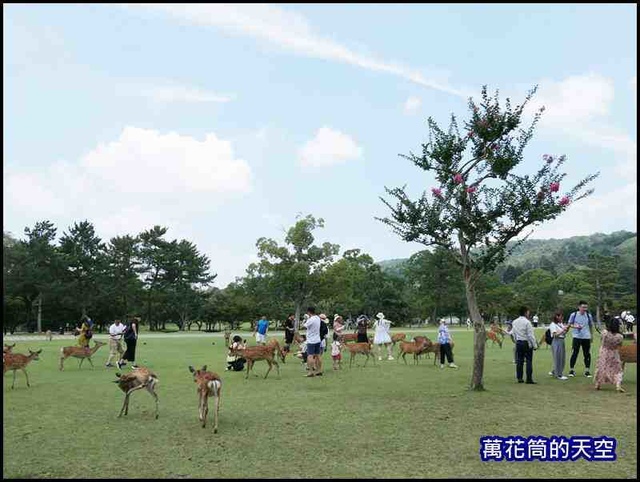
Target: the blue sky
pixel 223 122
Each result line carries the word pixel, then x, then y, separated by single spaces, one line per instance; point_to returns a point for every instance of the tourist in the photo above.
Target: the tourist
pixel 361 328
pixel 382 336
pixel 260 330
pixel 313 342
pixel 582 324
pixel 115 341
pixel 525 345
pixel 445 339
pixel 609 366
pixel 336 356
pixel 338 326
pixel 289 331
pixel 235 362
pixel 558 332
pixel 130 336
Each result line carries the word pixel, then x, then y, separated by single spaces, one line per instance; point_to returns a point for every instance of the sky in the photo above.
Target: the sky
pixel 224 123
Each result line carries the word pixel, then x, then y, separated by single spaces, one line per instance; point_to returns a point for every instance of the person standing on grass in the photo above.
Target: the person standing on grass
pixel 338 326
pixel 525 345
pixel 289 331
pixel 336 356
pixel 445 339
pixel 382 336
pixel 361 328
pixel 609 365
pixel 115 342
pixel 558 332
pixel 260 331
pixel 131 340
pixel 86 332
pixel 582 324
pixel 313 342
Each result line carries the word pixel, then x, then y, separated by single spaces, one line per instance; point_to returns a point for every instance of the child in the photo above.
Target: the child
pixel 336 356
pixel 235 362
pixel 302 352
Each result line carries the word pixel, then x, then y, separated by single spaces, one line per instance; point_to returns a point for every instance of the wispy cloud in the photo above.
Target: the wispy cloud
pixel 329 147
pixel 178 93
pixel 290 31
pixel 412 105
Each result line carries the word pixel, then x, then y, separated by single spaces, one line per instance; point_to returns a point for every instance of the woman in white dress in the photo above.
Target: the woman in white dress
pixel 382 336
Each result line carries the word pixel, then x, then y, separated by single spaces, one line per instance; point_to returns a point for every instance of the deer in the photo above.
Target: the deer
pixel 628 354
pixel 227 338
pixel 492 335
pixel 137 379
pixel 277 349
pixel 49 335
pixel 435 349
pixel 7 348
pixel 396 337
pixel 413 347
pixel 18 361
pixel 209 385
pixel 79 352
pixel 426 342
pixel 255 353
pixel 348 337
pixel 359 348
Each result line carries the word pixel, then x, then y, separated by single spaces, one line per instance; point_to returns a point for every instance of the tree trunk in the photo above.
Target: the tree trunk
pixel 296 322
pixel 479 335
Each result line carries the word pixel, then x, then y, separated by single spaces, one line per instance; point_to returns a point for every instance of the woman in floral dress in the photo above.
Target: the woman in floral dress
pixel 609 367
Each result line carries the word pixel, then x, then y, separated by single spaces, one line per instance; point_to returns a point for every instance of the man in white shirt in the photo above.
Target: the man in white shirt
pixel 525 344
pixel 312 324
pixel 115 341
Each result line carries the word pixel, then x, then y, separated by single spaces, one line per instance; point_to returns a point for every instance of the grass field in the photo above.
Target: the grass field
pixel 387 420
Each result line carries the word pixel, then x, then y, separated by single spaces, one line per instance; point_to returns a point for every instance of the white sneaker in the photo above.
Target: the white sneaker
pixel 441 366
pixel 572 373
pixel 379 358
pixel 563 378
pixel 390 358
pixel 453 365
pixel 551 374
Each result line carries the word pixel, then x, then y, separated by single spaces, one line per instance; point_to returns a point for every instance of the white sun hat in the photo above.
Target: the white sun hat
pixel 380 315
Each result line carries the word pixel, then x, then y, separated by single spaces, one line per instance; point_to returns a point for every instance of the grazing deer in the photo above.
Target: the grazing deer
pixel 255 353
pixel 359 348
pixel 348 337
pixel 277 349
pixel 435 349
pixel 137 379
pixel 396 337
pixel 425 341
pixel 413 347
pixel 628 354
pixel 209 385
pixel 17 361
pixel 491 335
pixel 79 352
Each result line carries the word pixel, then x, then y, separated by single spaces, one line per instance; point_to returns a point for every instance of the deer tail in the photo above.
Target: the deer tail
pixel 214 385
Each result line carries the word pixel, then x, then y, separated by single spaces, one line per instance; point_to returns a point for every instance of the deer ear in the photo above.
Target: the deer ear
pixel 39 351
pixel 191 369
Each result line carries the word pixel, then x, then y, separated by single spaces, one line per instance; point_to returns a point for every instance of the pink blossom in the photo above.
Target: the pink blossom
pixel 471 189
pixel 554 186
pixel 436 192
pixel 564 201
pixel 458 178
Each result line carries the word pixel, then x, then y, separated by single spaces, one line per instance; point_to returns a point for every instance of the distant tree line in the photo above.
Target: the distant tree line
pixel 169 281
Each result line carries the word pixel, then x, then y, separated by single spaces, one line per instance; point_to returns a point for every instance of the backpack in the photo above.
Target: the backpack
pixel 324 330
pixel 547 336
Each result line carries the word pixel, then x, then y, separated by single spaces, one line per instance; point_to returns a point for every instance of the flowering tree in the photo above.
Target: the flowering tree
pixel 480 204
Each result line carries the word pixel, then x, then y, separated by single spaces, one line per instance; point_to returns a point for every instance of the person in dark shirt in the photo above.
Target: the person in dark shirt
pixel 361 328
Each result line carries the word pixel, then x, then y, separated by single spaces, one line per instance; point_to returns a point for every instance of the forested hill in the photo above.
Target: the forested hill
pixel 558 255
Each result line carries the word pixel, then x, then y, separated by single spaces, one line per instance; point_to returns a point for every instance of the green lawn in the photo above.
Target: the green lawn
pixel 387 420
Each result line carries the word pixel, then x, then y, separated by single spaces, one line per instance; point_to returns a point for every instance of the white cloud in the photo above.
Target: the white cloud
pixel 412 105
pixel 614 210
pixel 290 31
pixel 179 93
pixel 144 160
pixel 578 108
pixel 140 179
pixel 329 147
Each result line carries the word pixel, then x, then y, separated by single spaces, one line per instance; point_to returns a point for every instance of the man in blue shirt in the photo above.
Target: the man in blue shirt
pixel 581 322
pixel 261 330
